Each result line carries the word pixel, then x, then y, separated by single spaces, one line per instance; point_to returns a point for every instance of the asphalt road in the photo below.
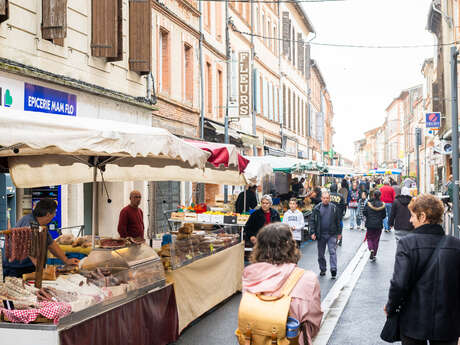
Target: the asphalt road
pixel 361 320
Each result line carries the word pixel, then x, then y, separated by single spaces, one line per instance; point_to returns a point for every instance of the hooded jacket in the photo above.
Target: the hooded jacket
pixel 375 214
pixel 400 214
pixel 268 279
pixel 429 296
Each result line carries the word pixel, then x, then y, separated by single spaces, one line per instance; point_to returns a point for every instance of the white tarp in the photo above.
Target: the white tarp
pixel 257 170
pixel 55 150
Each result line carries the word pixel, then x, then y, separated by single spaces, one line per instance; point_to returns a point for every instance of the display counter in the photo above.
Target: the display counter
pixel 204 283
pixel 151 311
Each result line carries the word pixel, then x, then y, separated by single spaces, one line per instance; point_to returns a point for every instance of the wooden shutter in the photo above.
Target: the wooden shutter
pixel 286 34
pixel 307 61
pixel 301 53
pixel 54 19
pixel 107 29
pixel 256 95
pixel 140 36
pixel 4 10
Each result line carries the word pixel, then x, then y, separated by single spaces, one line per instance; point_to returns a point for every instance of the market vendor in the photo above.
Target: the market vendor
pixel 258 219
pixel 43 213
pixel 131 220
pixel 251 200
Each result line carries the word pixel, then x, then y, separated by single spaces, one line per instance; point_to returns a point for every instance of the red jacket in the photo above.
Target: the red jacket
pixel 388 194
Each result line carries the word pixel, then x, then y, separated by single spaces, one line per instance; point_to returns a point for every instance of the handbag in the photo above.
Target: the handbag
pixel 391 331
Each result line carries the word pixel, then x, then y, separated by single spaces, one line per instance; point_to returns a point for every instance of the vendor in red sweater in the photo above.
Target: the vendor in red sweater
pixel 131 221
pixel 388 197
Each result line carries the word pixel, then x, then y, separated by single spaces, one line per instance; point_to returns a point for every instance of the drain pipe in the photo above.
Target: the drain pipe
pixel 200 8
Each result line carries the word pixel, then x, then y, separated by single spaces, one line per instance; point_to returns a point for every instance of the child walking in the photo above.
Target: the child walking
pixel 294 218
pixel 360 219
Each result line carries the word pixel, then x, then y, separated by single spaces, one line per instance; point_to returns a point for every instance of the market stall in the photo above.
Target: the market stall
pixel 121 278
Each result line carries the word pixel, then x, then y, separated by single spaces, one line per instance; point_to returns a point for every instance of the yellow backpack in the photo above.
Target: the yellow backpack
pixel 262 319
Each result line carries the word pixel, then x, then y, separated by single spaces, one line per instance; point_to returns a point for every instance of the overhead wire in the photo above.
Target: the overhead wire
pixel 340 45
pixel 274 1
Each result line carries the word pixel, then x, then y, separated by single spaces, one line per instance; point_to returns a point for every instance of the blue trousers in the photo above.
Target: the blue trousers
pixel 331 242
pixel 386 225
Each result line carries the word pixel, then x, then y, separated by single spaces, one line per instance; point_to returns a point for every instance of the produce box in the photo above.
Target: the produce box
pixel 177 215
pixel 203 217
pixel 217 218
pixel 190 216
pixel 242 218
pixel 230 219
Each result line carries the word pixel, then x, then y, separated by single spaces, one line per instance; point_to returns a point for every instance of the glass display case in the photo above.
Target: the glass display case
pixel 137 266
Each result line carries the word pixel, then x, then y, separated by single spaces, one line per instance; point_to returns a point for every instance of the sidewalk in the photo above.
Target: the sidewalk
pixel 363 318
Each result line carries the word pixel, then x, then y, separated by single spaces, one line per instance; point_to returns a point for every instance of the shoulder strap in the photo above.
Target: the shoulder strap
pixel 292 281
pixel 432 261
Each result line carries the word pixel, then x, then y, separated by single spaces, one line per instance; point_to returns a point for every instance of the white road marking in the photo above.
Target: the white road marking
pixel 337 298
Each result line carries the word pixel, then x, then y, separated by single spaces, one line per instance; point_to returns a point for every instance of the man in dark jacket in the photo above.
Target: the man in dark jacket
pixel 429 293
pixel 251 200
pixel 325 227
pixel 338 200
pixel 258 219
pixel 400 216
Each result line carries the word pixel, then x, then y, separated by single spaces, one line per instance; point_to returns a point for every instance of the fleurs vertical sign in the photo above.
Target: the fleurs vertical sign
pixel 243 84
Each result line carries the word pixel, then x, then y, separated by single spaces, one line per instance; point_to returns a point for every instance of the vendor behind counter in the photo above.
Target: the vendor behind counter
pixel 43 213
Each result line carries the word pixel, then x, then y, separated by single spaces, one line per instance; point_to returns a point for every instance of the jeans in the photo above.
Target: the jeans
pixel 331 242
pixel 353 213
pixel 386 225
pixel 410 341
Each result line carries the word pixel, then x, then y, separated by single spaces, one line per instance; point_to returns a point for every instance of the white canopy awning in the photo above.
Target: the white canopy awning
pixel 48 149
pixel 256 170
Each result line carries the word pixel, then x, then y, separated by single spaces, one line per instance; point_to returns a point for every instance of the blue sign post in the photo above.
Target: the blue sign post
pixel 44 100
pixel 433 120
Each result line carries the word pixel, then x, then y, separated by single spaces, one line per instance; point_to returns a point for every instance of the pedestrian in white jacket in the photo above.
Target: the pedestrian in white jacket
pixel 294 218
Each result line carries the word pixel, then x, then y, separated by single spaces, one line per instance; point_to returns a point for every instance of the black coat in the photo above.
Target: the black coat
pixel 338 200
pixel 400 214
pixel 431 308
pixel 375 214
pixel 251 201
pixel 315 221
pixel 256 222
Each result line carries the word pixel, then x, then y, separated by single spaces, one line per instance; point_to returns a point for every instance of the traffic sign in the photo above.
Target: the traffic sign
pixel 433 120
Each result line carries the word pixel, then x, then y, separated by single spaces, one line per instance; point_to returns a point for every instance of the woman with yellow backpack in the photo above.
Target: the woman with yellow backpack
pixel 281 303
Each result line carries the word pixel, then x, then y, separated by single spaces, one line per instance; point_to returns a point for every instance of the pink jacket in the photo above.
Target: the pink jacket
pixel 306 295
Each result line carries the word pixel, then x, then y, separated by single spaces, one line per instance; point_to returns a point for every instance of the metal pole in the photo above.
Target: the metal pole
pixel 253 81
pixel 94 207
pixel 417 152
pixel 454 90
pixel 227 54
pixel 200 7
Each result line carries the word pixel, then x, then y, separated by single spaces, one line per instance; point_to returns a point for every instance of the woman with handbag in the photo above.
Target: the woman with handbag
pixel 424 298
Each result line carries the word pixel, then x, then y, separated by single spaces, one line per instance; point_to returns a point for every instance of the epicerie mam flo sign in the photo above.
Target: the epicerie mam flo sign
pixel 45 100
pixel 243 84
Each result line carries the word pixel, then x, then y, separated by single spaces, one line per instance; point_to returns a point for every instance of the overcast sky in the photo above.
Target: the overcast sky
pixel 363 82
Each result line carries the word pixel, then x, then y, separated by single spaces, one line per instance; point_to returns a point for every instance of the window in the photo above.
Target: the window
pixel 220 90
pixel 264 28
pixel 208 88
pixel 164 58
pixel 289 117
pixel 188 73
pixel 140 38
pixel 261 83
pixel 293 46
pixel 207 16
pixel 257 21
pixel 269 41
pixel 275 41
pixel 234 76
pixel 219 35
pixel 54 21
pixel 284 107
pixel 4 10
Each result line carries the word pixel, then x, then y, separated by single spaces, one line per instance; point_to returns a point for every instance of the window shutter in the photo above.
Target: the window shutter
pixel 270 101
pixel 140 36
pixel 54 19
pixel 276 98
pixel 301 54
pixel 256 95
pixel 286 34
pixel 106 29
pixel 119 55
pixel 293 47
pixel 234 78
pixel 307 61
pixel 4 10
pixel 265 97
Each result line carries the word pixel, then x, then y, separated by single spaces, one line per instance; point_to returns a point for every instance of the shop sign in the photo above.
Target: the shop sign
pixel 243 84
pixel 11 93
pixel 45 100
pixel 433 120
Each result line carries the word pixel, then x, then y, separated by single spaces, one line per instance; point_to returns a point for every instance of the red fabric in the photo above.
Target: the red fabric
pixel 131 222
pixel 388 194
pixel 219 154
pixel 267 218
pixel 50 310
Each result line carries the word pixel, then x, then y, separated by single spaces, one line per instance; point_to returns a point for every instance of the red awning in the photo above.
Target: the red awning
pixel 222 154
